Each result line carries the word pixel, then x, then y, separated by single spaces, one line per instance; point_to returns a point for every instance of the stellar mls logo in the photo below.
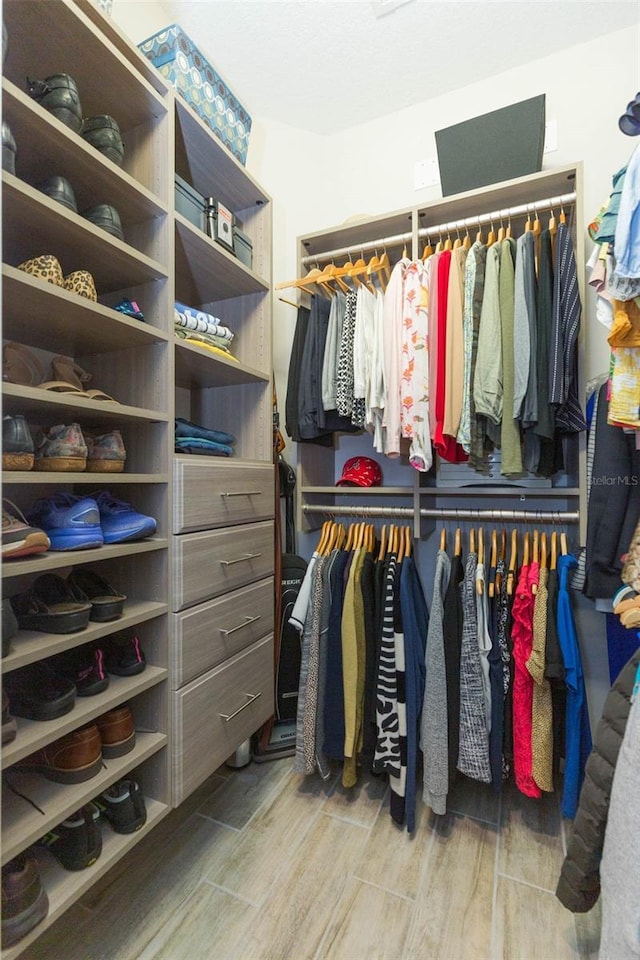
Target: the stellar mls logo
pixel 626 481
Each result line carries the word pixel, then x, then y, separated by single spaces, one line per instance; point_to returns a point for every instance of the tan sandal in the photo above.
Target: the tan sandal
pixel 20 365
pixel 72 379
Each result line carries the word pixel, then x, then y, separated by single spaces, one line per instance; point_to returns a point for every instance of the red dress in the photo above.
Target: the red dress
pixel 522 638
pixel 446 446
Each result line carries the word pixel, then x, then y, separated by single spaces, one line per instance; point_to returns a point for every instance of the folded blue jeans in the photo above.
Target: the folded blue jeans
pixel 197 445
pixel 185 428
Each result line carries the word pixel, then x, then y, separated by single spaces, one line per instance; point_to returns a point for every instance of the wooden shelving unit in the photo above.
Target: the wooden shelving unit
pixel 128 359
pixel 317 470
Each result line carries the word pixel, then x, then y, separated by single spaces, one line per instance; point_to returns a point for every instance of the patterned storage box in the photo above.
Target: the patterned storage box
pixel 179 61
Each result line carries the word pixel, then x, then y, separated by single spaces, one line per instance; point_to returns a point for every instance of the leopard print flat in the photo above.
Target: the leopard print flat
pixel 45 267
pixel 81 283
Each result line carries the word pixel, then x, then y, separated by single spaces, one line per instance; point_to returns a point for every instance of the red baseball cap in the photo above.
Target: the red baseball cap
pixel 360 472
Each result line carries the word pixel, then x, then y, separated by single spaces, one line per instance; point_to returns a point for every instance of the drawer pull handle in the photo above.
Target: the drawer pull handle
pixel 241 493
pixel 229 716
pixel 247 621
pixel 247 556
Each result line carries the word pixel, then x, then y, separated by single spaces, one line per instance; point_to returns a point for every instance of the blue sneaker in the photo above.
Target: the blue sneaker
pixel 71 523
pixel 120 522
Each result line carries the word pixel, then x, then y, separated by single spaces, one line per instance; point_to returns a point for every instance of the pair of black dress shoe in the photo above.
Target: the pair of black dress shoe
pixel 102 215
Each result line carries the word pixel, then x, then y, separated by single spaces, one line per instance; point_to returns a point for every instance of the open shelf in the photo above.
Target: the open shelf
pixel 361 491
pixel 35 477
pixel 33 402
pixel 206 272
pixel 35 734
pixel 199 368
pixel 23 824
pixel 29 646
pixel 64 887
pixel 210 166
pixel 57 560
pixel 35 311
pixel 63 35
pixel 486 490
pixel 46 146
pixel 78 244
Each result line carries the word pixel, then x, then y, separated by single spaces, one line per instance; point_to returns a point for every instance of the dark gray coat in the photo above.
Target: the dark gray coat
pixel 579 884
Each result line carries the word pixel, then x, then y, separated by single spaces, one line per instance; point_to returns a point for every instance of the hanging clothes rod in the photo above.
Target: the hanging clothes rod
pixel 445 513
pixel 493 216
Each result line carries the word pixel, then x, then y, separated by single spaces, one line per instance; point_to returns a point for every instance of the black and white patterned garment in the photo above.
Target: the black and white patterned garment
pixel 398 784
pixel 387 753
pixel 473 752
pixel 344 377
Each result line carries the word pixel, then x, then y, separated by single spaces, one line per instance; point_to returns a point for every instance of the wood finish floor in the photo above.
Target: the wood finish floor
pixel 262 864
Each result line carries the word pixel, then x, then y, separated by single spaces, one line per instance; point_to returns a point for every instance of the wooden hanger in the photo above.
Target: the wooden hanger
pixel 383 542
pixel 440 245
pixel 457 243
pixel 307 282
pixel 554 551
pixel 536 555
pixel 525 551
pixel 479 236
pixel 537 226
pixel 553 226
pixel 564 550
pixel 501 556
pixel 479 583
pixel 472 540
pixel 528 227
pixel 501 232
pixel 448 244
pixel 457 547
pixel 408 541
pixel 466 242
pixel 493 562
pixel 508 230
pixel 563 218
pixel 443 539
pixel 491 239
pixel 384 269
pixel 331 274
pixel 350 534
pixel 401 545
pixel 513 560
pixel 373 273
pixel 543 550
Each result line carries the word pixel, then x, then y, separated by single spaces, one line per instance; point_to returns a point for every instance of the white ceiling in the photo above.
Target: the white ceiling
pixel 324 65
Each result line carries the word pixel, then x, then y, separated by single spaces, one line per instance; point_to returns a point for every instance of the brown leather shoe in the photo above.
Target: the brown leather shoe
pixel 74 758
pixel 117 732
pixel 24 900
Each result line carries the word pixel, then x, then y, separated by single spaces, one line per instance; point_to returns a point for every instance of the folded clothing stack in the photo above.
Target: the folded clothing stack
pixel 202 330
pixel 194 438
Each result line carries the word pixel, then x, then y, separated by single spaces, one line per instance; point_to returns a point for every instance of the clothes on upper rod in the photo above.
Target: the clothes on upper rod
pixel 469 351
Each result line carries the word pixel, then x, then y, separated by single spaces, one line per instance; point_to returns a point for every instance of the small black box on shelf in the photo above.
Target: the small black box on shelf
pixel 243 247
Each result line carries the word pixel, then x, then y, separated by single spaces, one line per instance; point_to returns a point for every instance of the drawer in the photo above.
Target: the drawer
pixel 212 493
pixel 211 563
pixel 215 714
pixel 206 635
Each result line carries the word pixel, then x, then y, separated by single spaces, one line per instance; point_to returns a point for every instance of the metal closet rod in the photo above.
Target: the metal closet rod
pixel 491 217
pixel 445 513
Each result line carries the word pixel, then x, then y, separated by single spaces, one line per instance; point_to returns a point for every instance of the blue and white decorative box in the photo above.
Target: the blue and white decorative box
pixel 179 61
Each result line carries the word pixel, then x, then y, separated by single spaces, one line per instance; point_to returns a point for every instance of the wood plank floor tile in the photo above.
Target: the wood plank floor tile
pixel 359 804
pixel 135 904
pixel 210 920
pixel 393 858
pixel 251 862
pixel 530 840
pixel 473 799
pixel 369 924
pixel 306 892
pixel 242 794
pixel 531 924
pixel 453 907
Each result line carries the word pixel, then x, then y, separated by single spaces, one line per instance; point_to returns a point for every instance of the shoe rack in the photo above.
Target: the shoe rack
pixel 130 360
pixel 221 624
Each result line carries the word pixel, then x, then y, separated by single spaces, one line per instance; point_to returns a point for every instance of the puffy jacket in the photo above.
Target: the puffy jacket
pixel 579 884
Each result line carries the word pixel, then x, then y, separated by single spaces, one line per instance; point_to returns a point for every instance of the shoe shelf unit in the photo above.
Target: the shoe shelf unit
pixel 319 468
pixel 130 360
pixel 223 509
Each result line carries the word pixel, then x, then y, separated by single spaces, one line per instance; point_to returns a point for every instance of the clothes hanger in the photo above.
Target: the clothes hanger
pixel 384 269
pixel 383 542
pixel 332 274
pixel 408 545
pixel 443 539
pixel 528 227
pixel 479 583
pixel 491 239
pixel 513 560
pixel 564 550
pixel 536 555
pixel 543 550
pixel 448 244
pixel 479 237
pixel 472 540
pixel 324 535
pixel 537 226
pixel 563 218
pixel 439 244
pixel 457 547
pixel 554 551
pixel 466 243
pixel 501 231
pixel 508 230
pixel 373 273
pixel 501 556
pixel 525 550
pixel 552 226
pixel 458 240
pixel 428 251
pixel 401 543
pixel 493 562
